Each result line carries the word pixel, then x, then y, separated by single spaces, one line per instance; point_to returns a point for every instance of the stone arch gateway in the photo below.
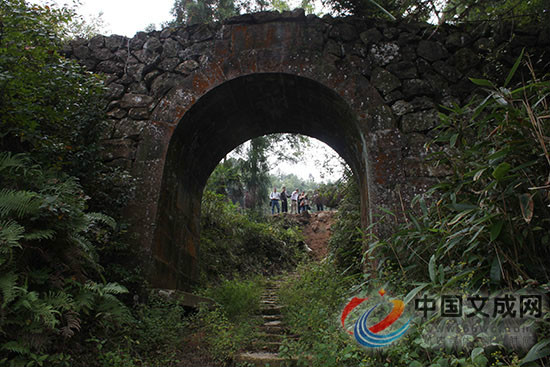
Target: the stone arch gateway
pixel 226 116
pixel 180 99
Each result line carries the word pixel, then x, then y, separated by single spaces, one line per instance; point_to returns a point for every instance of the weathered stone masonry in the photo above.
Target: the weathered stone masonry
pixel 184 97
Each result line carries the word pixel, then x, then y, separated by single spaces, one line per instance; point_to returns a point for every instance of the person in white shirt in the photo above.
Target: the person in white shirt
pixel 294 202
pixel 275 196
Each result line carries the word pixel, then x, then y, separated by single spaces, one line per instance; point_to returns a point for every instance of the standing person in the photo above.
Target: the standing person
pixel 275 196
pixel 306 203
pixel 294 201
pixel 284 203
pixel 301 202
pixel 318 201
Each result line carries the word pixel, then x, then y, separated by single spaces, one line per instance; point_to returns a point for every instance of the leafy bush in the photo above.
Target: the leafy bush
pixel 312 300
pixel 53 291
pixel 484 227
pixel 47 258
pixel 489 220
pixel 237 298
pixel 231 325
pixel 50 106
pixel 232 243
pixel 346 244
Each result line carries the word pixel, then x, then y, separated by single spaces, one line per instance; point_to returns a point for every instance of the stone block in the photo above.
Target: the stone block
pixel 170 48
pixel 102 54
pixel 371 36
pixel 153 45
pixel 403 69
pixel 115 91
pixel 419 121
pixel 168 64
pixel 447 71
pixel 416 87
pixel 139 113
pixel 402 107
pixel 384 81
pixel 115 42
pixel 118 148
pixel 110 67
pixel 137 42
pixel 128 128
pixel 343 31
pixel 130 100
pixel 431 50
pixel 96 42
pixel 384 53
pixel 82 52
pixel 465 59
pixel 117 113
pixel 457 40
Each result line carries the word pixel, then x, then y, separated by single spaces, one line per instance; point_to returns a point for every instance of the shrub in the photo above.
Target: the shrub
pixel 346 241
pixel 485 226
pixel 231 325
pixel 237 298
pixel 233 243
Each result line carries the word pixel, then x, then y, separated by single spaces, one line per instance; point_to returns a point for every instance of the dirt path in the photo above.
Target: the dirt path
pixel 316 231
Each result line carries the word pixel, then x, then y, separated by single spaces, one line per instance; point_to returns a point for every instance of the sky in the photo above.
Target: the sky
pixel 123 17
pixel 318 160
pixel 312 163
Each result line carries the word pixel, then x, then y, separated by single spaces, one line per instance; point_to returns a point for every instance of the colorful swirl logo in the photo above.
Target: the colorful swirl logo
pixel 369 336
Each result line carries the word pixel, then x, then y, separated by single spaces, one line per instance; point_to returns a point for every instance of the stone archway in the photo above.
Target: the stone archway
pixel 386 80
pixel 228 115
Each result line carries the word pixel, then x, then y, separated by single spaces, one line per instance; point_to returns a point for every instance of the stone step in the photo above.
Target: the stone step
pixel 263 346
pixel 264 359
pixel 270 338
pixel 273 329
pixel 269 318
pixel 273 323
pixel 274 310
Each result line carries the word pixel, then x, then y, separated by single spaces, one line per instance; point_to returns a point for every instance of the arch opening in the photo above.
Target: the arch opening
pixel 222 119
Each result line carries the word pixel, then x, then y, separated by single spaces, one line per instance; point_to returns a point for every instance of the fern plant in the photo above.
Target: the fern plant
pixel 47 255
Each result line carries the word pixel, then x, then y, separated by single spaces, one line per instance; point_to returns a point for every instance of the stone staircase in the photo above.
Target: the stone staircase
pixel 264 351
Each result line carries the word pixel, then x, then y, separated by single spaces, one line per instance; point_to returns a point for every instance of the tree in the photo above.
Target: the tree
pixel 246 171
pixel 78 27
pixel 208 11
pixel 51 114
pixel 49 105
pixel 202 11
pixel 519 11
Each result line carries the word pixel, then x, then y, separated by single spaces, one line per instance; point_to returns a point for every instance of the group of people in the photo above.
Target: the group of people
pixel 299 201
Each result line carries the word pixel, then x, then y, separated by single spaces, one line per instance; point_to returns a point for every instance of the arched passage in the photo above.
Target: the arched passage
pixel 383 79
pixel 225 117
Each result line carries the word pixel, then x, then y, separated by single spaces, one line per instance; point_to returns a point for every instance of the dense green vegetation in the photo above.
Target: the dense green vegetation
pixel 484 228
pixel 233 241
pixel 518 12
pixel 72 295
pixel 51 282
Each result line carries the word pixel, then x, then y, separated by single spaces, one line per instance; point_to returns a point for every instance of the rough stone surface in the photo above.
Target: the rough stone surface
pixel 384 81
pixel 419 121
pixel 431 51
pixel 182 98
